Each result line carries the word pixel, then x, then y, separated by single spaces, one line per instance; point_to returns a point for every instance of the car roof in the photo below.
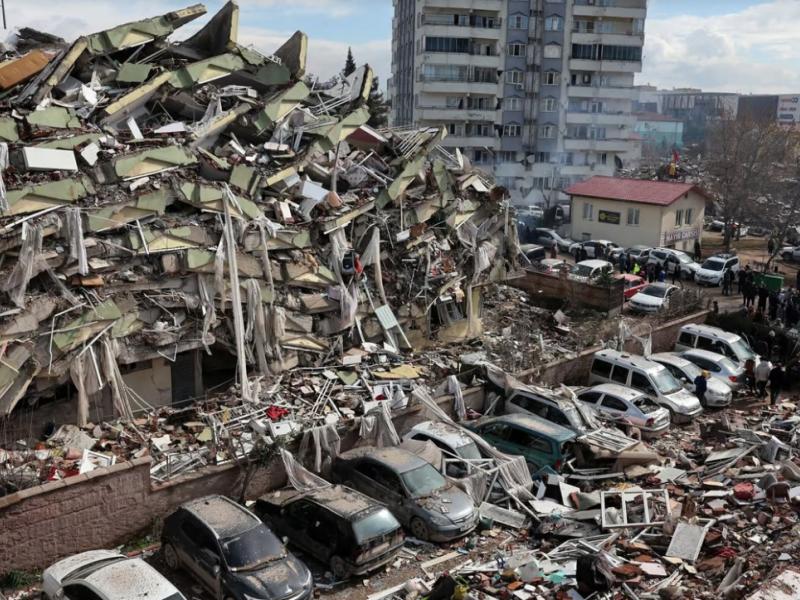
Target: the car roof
pixel 707 354
pixel 339 499
pixel 559 433
pixel 224 516
pixel 449 434
pixel 640 247
pixel 718 258
pixel 541 393
pixel 659 284
pixel 675 360
pixel 710 331
pixel 634 359
pixel 594 263
pixel 398 459
pixel 552 261
pixel 615 389
pixel 131 579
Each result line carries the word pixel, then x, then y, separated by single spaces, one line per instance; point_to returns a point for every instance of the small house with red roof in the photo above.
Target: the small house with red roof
pixel 634 212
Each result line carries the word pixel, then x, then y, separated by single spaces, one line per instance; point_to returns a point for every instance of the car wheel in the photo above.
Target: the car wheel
pixel 419 529
pixel 170 556
pixel 339 568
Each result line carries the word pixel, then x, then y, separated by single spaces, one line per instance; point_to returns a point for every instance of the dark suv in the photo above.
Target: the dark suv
pixel 340 527
pixel 232 553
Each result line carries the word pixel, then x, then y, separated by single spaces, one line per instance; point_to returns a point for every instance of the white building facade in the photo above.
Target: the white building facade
pixel 538 92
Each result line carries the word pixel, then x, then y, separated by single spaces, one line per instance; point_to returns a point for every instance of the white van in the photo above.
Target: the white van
pixel 714 339
pixel 651 378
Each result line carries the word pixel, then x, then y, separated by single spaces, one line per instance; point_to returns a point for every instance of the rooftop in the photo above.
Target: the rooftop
pixel 659 193
pixel 222 515
pixel 534 423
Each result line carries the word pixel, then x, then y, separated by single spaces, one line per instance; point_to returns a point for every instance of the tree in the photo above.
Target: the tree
pixel 743 162
pixel 378 107
pixel 349 63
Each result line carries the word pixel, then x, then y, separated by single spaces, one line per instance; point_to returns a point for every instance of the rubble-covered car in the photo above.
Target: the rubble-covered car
pixel 532 253
pixel 541 442
pixel 550 237
pixel 588 270
pixel 624 405
pixel 720 367
pixel 342 528
pixel 232 553
pixel 653 298
pixel 651 378
pixel 457 447
pixel 551 265
pixel 419 496
pixel 714 339
pixel 105 575
pixel 718 393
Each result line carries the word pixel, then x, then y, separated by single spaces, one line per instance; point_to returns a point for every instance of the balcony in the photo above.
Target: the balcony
pixel 628 38
pixel 607 145
pixel 606 66
pixel 600 118
pixel 468 5
pixel 456 87
pixel 624 9
pixel 611 92
pixel 461 58
pixel 471 141
pixel 442 114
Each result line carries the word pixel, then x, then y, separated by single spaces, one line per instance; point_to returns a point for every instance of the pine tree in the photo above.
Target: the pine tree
pixel 349 63
pixel 378 107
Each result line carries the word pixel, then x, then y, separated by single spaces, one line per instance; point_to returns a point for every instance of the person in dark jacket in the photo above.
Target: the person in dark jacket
pixel 700 387
pixel 697 250
pixel 776 377
pixel 742 275
pixel 763 294
pixel 727 281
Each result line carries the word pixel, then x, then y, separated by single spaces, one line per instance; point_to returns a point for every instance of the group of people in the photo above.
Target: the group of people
pixel 763 305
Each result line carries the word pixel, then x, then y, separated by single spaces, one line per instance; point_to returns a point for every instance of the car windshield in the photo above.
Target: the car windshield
pixel 582 270
pixel 469 451
pixel 691 370
pixel 645 404
pixel 374 526
pixel 252 549
pixel 713 265
pixel 423 481
pixel 657 291
pixel 742 350
pixel 665 382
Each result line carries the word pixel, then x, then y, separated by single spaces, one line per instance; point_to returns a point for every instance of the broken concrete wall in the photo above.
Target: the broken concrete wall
pixel 151 380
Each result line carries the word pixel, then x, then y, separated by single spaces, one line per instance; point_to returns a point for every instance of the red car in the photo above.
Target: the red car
pixel 633 284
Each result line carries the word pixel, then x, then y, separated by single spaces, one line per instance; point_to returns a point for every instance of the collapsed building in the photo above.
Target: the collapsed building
pixel 183 217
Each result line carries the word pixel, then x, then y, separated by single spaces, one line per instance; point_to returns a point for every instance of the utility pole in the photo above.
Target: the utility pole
pixel 3 7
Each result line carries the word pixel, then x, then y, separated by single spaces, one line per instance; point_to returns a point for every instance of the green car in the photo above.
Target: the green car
pixel 541 442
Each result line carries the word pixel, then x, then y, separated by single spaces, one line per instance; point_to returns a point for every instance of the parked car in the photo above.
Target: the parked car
pixel 650 378
pixel 232 553
pixel 533 252
pixel 653 298
pixel 589 270
pixel 716 225
pixel 623 405
pixel 542 443
pixel 551 265
pixel 633 284
pixel 639 253
pixel 105 575
pixel 417 494
pixel 662 257
pixel 714 268
pixel 758 231
pixel 790 253
pixel 455 445
pixel 706 337
pixel 720 367
pixel 549 237
pixel 342 528
pixel 718 393
pixel 596 249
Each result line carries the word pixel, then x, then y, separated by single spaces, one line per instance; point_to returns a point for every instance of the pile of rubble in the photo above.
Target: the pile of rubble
pixel 160 198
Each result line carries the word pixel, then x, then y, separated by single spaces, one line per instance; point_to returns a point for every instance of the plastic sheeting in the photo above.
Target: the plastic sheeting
pixel 28 264
pixel 74 231
pixel 484 256
pixel 326 444
pixel 371 256
pixel 377 427
pixel 454 387
pixel 299 477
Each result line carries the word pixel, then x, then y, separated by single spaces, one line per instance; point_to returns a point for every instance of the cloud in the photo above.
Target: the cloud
pixel 331 8
pixel 750 51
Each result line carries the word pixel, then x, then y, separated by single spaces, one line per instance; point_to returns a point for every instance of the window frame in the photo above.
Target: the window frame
pixel 633 217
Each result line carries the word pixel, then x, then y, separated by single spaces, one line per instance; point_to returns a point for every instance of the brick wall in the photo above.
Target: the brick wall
pixel 559 288
pixel 108 507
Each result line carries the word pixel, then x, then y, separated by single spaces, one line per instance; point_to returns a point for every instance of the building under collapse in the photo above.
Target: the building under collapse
pixel 175 216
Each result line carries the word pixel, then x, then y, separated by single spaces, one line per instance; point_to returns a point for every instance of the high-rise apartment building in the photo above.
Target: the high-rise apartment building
pixel 539 92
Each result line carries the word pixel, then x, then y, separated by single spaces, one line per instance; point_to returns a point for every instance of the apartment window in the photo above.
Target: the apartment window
pixel 541 183
pixel 581 79
pixel 518 22
pixel 548 105
pixel 507 156
pixel 689 215
pixel 513 103
pixel 552 51
pixel 433 72
pixel 604 158
pixel 678 217
pixel 484 75
pixel 541 157
pixel 516 49
pixel 447 44
pixel 588 211
pixel 586 51
pixel 583 26
pixel 568 158
pixel 455 128
pixel 552 78
pixel 512 130
pixel 479 129
pixel 626 53
pixel 638 26
pixel 479 103
pixel 547 131
pixel 481 157
pixel 454 102
pixel 553 23
pixel 514 76
pixel 633 216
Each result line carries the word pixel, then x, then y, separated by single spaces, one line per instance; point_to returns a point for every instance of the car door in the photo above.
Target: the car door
pixel 520 403
pixel 496 434
pixel 200 553
pixel 392 493
pixel 321 532
pixel 79 591
pixel 363 474
pixel 592 399
pixel 620 375
pixel 686 341
pixel 613 407
pixel 295 523
pixel 641 382
pixel 536 449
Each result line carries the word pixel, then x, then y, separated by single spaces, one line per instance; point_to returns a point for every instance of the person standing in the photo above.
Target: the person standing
pixel 771 246
pixel 776 377
pixel 763 294
pixel 661 275
pixel 741 276
pixel 697 251
pixel 700 387
pixel 726 282
pixel 553 251
pixel 762 373
pixel 797 283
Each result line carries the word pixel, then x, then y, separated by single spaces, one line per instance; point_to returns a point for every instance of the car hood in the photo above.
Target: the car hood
pixel 692 266
pixel 685 400
pixel 278 579
pixel 647 300
pixel 455 502
pixel 709 273
pixel 717 387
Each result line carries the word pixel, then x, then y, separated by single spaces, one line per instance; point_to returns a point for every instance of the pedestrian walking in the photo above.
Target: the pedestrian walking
pixel 773 305
pixel 762 371
pixel 776 379
pixel 700 387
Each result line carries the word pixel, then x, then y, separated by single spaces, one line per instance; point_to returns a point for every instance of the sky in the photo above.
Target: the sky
pixel 745 46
